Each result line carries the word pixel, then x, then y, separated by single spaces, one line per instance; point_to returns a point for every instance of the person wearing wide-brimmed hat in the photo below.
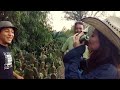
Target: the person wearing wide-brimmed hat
pixel 7 31
pixel 104 44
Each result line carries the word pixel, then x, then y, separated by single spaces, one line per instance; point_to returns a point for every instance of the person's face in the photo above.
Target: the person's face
pixel 78 28
pixel 6 36
pixel 94 43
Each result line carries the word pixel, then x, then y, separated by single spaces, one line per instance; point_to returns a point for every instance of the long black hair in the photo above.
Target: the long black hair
pixel 107 53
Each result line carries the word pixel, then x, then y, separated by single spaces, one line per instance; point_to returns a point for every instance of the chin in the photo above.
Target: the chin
pixel 90 48
pixel 8 42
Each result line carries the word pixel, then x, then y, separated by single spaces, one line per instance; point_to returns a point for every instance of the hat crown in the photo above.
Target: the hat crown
pixel 114 24
pixel 6 24
pixel 114 21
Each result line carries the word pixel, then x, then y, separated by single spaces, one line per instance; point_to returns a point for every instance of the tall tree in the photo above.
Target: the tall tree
pixel 78 15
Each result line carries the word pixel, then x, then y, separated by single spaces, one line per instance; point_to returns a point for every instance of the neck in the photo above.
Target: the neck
pixel 6 45
pixel 3 44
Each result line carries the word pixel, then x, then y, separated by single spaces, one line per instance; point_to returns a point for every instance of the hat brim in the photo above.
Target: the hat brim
pixel 104 29
pixel 14 28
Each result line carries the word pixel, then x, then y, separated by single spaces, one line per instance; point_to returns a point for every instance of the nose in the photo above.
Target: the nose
pixel 11 33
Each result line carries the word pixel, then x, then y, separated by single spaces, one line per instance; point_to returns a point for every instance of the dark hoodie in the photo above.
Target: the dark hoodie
pixel 72 62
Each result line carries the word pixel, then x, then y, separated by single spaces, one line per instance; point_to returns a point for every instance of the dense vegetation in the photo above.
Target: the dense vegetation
pixel 36 48
pixel 35 44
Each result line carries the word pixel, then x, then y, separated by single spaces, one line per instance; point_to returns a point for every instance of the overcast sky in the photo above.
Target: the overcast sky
pixel 58 21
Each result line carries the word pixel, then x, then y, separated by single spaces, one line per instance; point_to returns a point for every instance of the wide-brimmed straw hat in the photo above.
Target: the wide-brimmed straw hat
pixel 110 27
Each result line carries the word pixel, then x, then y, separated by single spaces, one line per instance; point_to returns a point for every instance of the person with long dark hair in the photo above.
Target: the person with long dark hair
pixel 104 47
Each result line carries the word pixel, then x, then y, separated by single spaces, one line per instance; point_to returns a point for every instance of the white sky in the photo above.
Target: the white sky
pixel 58 21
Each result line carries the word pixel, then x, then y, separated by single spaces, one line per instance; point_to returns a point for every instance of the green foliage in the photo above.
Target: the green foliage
pixel 78 15
pixel 75 15
pixel 34 36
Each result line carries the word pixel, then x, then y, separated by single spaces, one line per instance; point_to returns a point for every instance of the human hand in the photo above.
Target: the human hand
pixel 19 77
pixel 76 38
